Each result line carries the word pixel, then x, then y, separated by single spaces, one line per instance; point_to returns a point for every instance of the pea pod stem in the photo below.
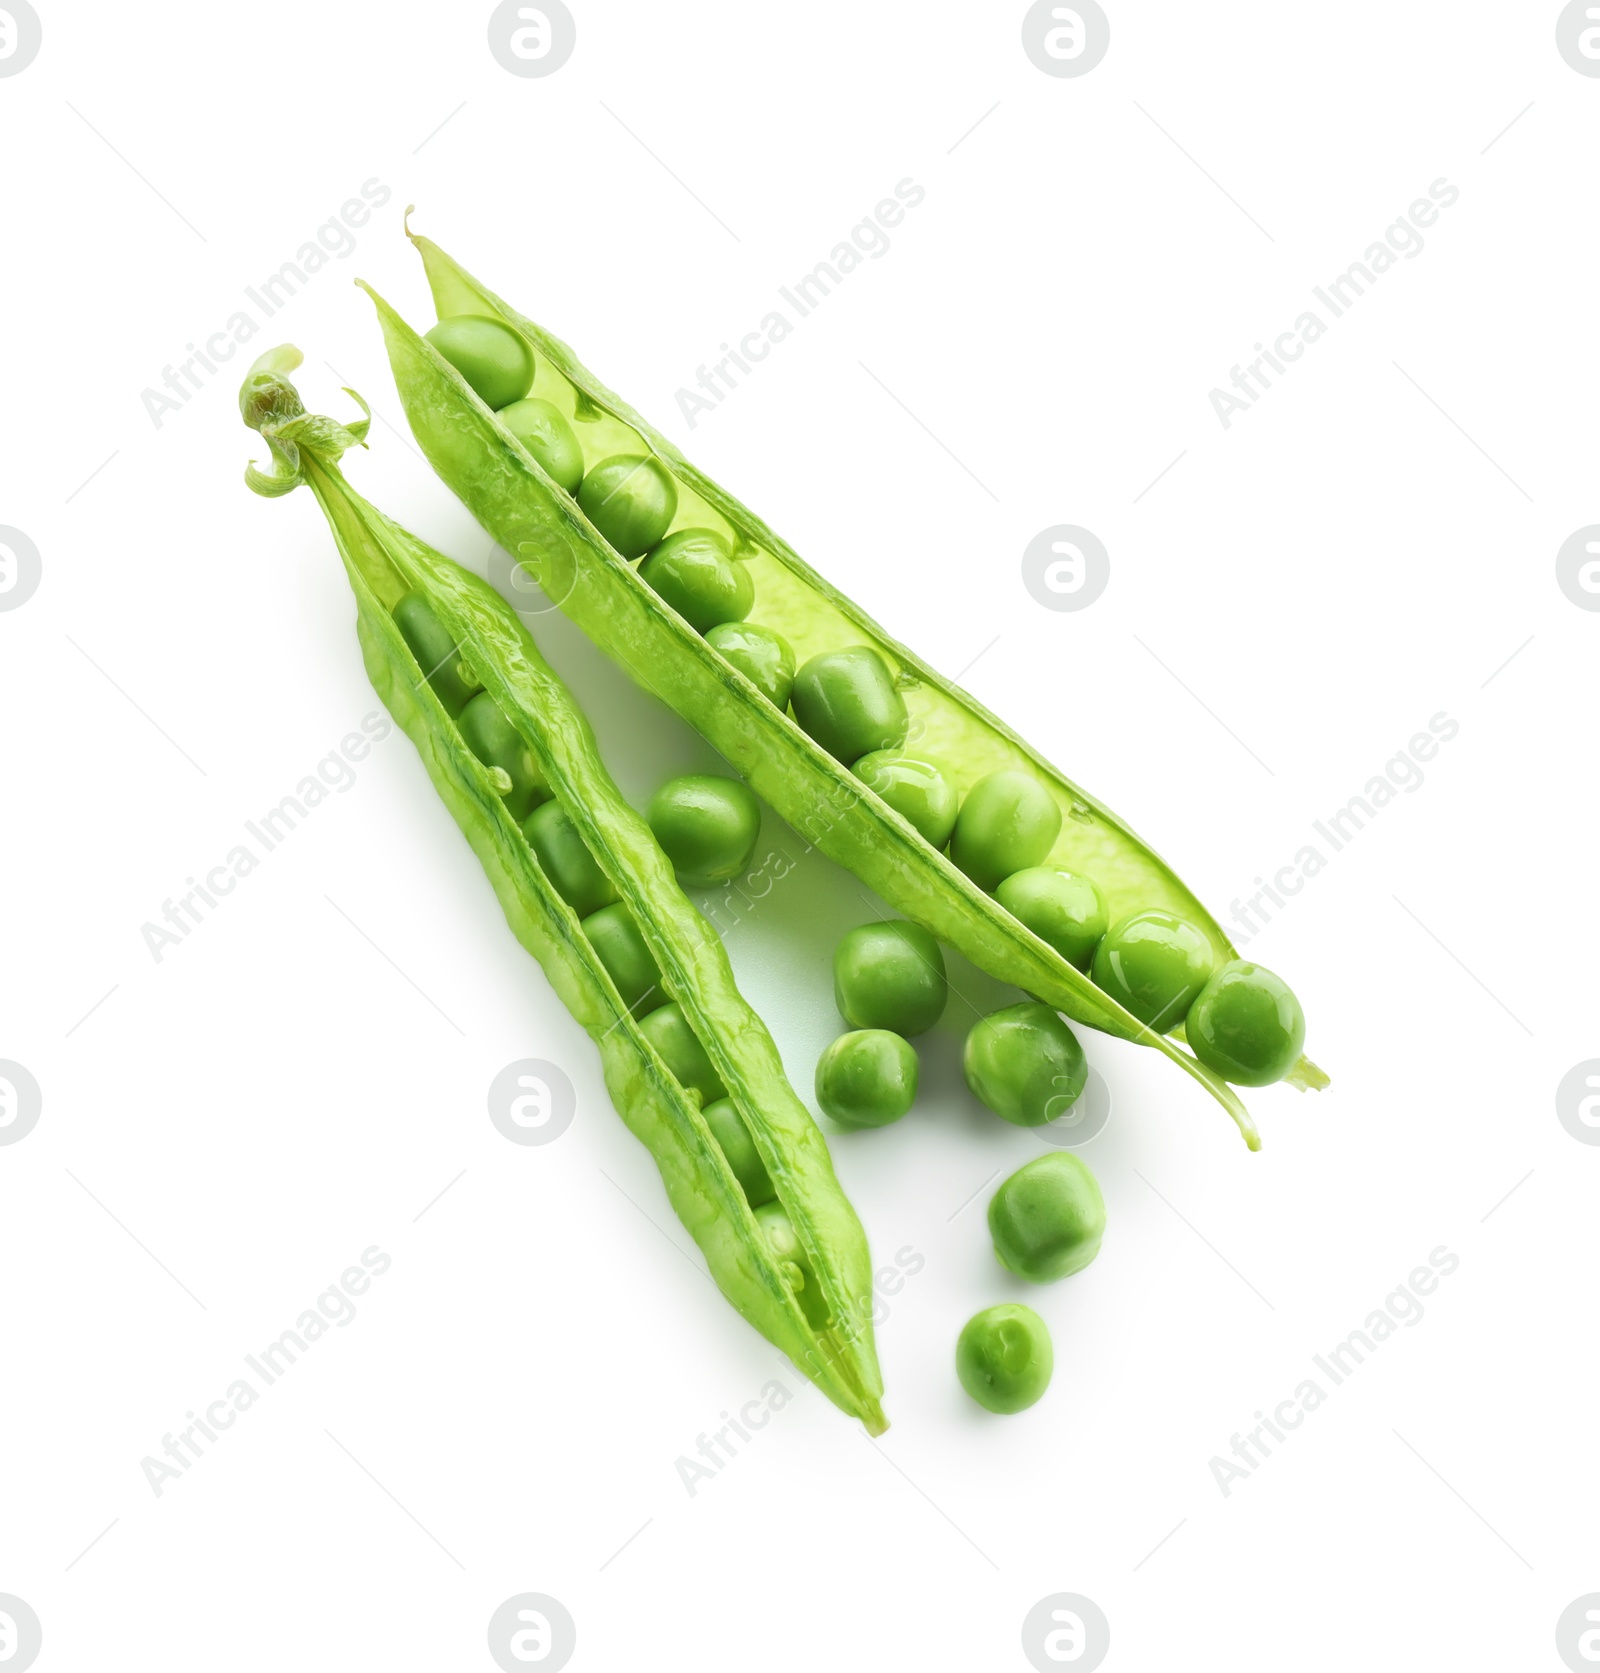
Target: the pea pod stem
pixel 384 563
pixel 537 521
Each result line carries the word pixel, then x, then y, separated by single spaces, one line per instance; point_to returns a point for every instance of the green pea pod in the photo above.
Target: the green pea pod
pixel 384 564
pixel 544 528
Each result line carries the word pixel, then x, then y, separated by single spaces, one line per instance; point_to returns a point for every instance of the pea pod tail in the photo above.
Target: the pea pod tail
pixel 830 1336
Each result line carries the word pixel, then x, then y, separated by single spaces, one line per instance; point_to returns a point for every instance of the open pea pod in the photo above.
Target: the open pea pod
pixel 537 520
pixel 813 1297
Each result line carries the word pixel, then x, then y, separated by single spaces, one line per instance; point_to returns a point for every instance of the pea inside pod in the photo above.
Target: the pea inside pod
pixel 668 1030
pixel 437 653
pixel 548 437
pixel 696 574
pixel 1064 910
pixel 628 961
pixel 632 499
pixel 728 1129
pixel 916 790
pixel 1153 964
pixel 498 745
pixel 566 860
pixel 1246 1024
pixel 762 656
pixel 846 700
pixel 1008 822
pixel 495 360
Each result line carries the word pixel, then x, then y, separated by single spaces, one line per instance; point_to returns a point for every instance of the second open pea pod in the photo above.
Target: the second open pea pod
pixel 800 765
pixel 812 1297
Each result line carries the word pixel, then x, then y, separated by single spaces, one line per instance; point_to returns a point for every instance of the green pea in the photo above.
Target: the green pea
pixel 1247 1025
pixel 695 573
pixel 548 437
pixel 795 1263
pixel 916 790
pixel 632 499
pixel 437 653
pixel 668 1030
pixel 1153 964
pixel 1061 908
pixel 890 975
pixel 1004 1358
pixel 565 859
pixel 847 701
pixel 497 744
pixel 867 1079
pixel 707 827
pixel 762 656
pixel 1008 822
pixel 733 1136
pixel 1048 1218
pixel 493 358
pixel 1025 1064
pixel 628 961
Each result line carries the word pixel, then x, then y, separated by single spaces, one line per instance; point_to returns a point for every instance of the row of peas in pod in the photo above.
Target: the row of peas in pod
pixel 1242 1021
pixel 707 826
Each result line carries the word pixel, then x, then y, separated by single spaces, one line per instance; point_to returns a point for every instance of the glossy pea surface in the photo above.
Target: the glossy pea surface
pixel 632 499
pixel 867 1078
pixel 437 654
pixel 707 826
pixel 916 790
pixel 1246 1025
pixel 628 962
pixel 1048 1218
pixel 497 743
pixel 890 975
pixel 548 437
pixel 762 656
pixel 494 360
pixel 1153 964
pixel 1004 1358
pixel 1025 1064
pixel 847 701
pixel 668 1030
pixel 565 859
pixel 1061 908
pixel 1008 822
pixel 733 1138
pixel 695 573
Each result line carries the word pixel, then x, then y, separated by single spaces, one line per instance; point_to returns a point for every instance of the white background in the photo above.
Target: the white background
pixel 228 1128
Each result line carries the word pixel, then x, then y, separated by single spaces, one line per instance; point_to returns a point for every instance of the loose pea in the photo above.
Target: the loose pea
pixel 668 1030
pixel 762 656
pixel 632 499
pixel 1061 908
pixel 695 573
pixel 729 1130
pixel 1247 1025
pixel 1153 964
pixel 437 654
pixel 867 1079
pixel 916 790
pixel 621 949
pixel 488 354
pixel 847 701
pixel 548 437
pixel 1025 1064
pixel 890 975
pixel 497 743
pixel 707 827
pixel 784 1241
pixel 1004 1358
pixel 566 860
pixel 1048 1218
pixel 1008 822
